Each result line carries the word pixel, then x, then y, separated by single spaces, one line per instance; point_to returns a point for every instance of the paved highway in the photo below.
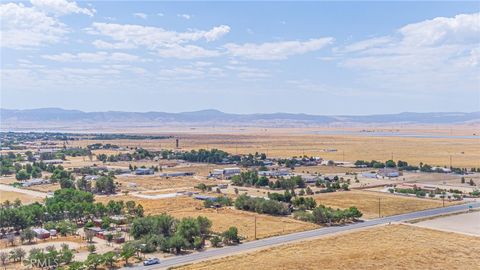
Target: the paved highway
pixel 306 235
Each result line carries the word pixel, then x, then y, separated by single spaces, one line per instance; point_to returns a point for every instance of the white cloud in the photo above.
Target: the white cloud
pixel 463 28
pixel 187 52
pixel 160 14
pixel 61 7
pixel 128 35
pixel 23 27
pixel 217 32
pixel 245 72
pixel 424 56
pixel 184 16
pixel 100 44
pixel 277 50
pixel 140 15
pixel 364 44
pixel 97 57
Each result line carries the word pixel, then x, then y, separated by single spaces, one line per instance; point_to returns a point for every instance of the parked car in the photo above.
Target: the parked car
pixel 151 261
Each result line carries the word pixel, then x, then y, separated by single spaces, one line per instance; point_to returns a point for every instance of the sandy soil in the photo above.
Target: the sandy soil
pixel 387 247
pixel 367 202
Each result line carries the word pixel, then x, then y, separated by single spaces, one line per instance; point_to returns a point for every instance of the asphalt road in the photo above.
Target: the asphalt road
pixel 272 241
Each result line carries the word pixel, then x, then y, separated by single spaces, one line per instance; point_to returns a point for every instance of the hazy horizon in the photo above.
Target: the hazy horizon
pixel 322 58
pixel 226 112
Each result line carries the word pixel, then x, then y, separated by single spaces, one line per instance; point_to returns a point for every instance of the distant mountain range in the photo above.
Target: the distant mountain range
pixel 12 118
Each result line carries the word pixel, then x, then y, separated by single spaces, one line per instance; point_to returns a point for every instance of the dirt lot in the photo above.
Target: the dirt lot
pixel 222 219
pixel 389 247
pixel 367 202
pixel 154 182
pixel 468 223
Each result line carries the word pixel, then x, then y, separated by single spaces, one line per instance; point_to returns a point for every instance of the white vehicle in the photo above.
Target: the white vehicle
pixel 151 261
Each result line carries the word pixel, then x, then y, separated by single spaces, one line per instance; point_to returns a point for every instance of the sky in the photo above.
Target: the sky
pixel 326 58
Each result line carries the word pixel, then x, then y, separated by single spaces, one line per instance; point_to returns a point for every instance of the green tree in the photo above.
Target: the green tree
pixel 4 258
pixel 109 259
pixel 177 242
pixel 216 240
pixel 22 175
pixel 204 224
pixel 188 228
pixel 230 236
pixel 93 261
pixel 128 250
pixel 27 235
pixel 91 248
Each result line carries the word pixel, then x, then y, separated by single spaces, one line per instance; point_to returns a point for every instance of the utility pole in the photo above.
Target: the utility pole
pixel 255 218
pixel 450 161
pixel 379 208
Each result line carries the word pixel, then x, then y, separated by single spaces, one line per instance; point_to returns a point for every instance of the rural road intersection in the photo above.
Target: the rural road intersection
pixel 299 236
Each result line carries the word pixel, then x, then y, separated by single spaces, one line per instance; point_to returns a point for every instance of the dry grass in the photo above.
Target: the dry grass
pixel 387 247
pixel 24 198
pixel 287 142
pixel 157 206
pixel 367 202
pixel 267 226
pixel 145 183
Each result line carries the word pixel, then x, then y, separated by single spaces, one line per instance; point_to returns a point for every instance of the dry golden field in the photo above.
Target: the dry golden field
pixel 267 226
pixel 12 196
pixel 367 202
pixel 386 247
pixel 287 142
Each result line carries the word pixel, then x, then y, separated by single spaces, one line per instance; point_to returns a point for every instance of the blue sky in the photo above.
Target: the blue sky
pixel 243 57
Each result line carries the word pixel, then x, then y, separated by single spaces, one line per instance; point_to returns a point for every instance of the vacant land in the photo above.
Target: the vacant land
pixel 24 198
pixel 368 201
pixel 468 223
pixel 267 226
pixel 387 247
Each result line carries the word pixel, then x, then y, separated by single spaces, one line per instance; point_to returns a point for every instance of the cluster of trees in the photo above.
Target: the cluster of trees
pixel 261 205
pixel 203 155
pixel 107 259
pixel 97 146
pixel 69 204
pixel 138 154
pixel 249 178
pixel 105 185
pixel 417 191
pixel 251 160
pixel 9 165
pixel 332 185
pixel 371 164
pixel 165 233
pixel 288 183
pixel 304 203
pixel 295 161
pixel 40 258
pixel 322 214
pixel 75 152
